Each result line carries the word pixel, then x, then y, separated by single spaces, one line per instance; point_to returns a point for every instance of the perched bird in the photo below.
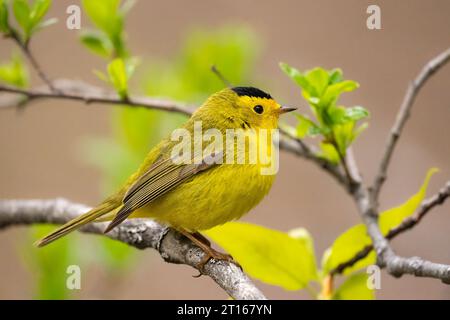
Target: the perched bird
pixel 196 196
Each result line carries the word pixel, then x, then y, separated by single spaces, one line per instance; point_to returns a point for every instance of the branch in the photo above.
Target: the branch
pixel 407 224
pixel 405 111
pixel 221 77
pixel 296 146
pixel 80 91
pixel 27 52
pixel 386 257
pixel 366 199
pixel 139 233
pixel 83 92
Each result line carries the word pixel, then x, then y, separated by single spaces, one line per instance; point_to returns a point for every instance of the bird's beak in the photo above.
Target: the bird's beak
pixel 284 109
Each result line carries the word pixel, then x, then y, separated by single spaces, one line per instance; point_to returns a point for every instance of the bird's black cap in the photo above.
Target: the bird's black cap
pixel 251 92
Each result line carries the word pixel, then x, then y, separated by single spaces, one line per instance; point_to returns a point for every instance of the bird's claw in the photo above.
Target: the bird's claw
pixel 213 254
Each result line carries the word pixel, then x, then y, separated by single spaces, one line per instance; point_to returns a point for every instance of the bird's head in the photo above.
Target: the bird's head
pixel 244 107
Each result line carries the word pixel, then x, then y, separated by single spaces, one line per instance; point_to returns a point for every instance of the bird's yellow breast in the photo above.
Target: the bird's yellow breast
pixel 214 197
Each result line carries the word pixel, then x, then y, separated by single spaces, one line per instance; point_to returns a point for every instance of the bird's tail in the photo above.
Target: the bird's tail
pixel 76 223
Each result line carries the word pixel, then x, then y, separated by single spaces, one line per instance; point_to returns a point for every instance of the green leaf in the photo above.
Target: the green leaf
pixel 393 217
pixel 127 6
pixel 343 134
pixel 22 13
pixel 335 90
pixel 342 115
pixel 101 75
pixel 131 65
pixel 354 288
pixel 349 243
pixel 359 130
pixel 4 24
pixel 336 115
pixel 97 43
pixel 105 15
pixel 356 113
pixel 297 76
pixel 271 256
pixel 108 17
pixel 38 11
pixel 345 247
pixel 118 76
pixel 14 72
pixel 45 24
pixel 318 78
pixel 329 153
pixel 306 127
pixel 335 76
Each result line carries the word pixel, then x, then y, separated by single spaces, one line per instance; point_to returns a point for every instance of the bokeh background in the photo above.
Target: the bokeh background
pixel 52 149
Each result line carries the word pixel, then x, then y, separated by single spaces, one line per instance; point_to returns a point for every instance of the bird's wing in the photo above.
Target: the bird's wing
pixel 161 178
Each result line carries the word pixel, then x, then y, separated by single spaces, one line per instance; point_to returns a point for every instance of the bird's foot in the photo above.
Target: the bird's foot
pixel 202 238
pixel 210 253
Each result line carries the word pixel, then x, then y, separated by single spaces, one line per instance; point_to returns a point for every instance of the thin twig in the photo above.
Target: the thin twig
pixel 404 112
pixel 407 224
pixel 343 162
pixel 300 148
pixel 367 198
pixel 80 91
pixel 139 233
pixel 25 47
pixel 221 76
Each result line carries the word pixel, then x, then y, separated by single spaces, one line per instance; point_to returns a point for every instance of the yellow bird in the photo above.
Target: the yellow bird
pixel 199 194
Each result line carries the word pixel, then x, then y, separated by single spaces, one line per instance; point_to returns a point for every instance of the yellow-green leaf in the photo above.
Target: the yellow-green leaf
pixel 349 243
pixel 393 217
pixel 345 247
pixel 118 76
pixel 355 288
pixel 14 72
pixel 271 256
pixel 329 153
pixel 4 24
pixel 21 11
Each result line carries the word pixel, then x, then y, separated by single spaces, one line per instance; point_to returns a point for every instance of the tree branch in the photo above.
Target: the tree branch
pixel 403 114
pixel 25 47
pixel 298 147
pixel 80 91
pixel 89 94
pixel 139 233
pixel 407 224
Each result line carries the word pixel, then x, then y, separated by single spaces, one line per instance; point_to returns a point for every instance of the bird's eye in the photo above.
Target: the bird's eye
pixel 258 109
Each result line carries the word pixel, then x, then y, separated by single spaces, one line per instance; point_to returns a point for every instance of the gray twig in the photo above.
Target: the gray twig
pixel 367 198
pixel 25 47
pixel 407 224
pixel 221 76
pixel 402 116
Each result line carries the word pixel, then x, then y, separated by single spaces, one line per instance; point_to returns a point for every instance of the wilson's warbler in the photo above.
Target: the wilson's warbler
pixel 191 197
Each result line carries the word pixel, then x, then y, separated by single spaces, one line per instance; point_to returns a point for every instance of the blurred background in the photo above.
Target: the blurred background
pixel 82 152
